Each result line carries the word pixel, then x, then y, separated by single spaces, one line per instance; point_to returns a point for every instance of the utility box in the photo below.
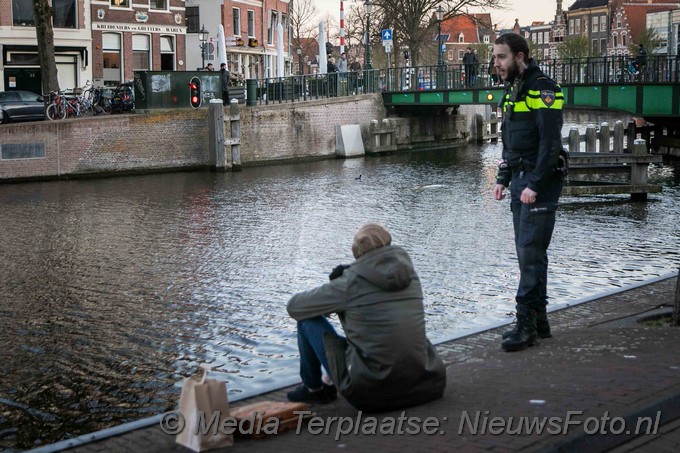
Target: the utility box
pixel 170 89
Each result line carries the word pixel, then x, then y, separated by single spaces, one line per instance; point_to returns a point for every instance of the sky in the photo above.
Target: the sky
pixel 527 11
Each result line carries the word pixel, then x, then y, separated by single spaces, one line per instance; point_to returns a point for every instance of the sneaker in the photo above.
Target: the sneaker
pixel 302 394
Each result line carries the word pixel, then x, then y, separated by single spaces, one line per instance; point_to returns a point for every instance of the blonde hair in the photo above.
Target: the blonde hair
pixel 370 237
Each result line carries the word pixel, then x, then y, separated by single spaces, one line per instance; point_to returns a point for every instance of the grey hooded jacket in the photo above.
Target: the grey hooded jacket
pixel 386 361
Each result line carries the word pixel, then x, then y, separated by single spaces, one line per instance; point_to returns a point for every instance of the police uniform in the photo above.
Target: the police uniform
pixel 532 139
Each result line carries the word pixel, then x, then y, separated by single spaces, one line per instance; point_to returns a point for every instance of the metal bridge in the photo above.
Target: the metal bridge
pixel 613 83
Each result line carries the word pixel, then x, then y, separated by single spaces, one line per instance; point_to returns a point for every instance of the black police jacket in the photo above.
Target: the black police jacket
pixel 532 127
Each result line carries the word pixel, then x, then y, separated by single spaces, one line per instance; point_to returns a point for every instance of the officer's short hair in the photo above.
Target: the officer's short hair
pixel 515 42
pixel 370 237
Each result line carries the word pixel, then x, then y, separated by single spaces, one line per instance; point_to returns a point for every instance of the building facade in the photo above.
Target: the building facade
pixel 136 35
pixel 590 18
pixel 19 64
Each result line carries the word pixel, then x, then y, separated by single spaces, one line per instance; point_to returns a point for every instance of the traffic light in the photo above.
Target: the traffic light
pixel 406 55
pixel 329 48
pixel 195 92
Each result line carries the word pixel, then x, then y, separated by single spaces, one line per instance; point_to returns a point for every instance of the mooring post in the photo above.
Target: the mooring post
pixel 605 136
pixel 479 128
pixel 574 140
pixel 638 171
pixel 618 137
pixel 216 135
pixel 494 127
pixel 631 135
pixel 235 120
pixel 591 138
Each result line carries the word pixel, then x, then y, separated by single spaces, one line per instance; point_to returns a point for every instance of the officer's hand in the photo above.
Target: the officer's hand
pixel 499 191
pixel 337 271
pixel 528 196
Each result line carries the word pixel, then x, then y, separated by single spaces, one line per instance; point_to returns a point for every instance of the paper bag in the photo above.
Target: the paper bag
pixel 204 405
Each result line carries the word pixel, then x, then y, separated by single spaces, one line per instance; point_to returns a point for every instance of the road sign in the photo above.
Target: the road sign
pixel 388 47
pixel 386 35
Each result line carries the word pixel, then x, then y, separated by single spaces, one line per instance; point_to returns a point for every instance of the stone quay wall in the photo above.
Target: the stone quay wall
pixel 178 139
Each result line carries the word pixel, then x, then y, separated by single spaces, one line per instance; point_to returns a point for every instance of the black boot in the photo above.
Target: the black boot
pixel 542 325
pixel 525 333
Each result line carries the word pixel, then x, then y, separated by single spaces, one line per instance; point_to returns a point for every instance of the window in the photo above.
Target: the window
pixel 22 13
pixel 461 54
pixel 461 37
pixel 140 52
pixel 121 3
pixel 577 26
pixel 546 36
pixel 236 13
pixel 540 38
pixel 596 24
pixel 603 24
pixel 158 4
pixel 616 41
pixel 111 54
pixel 596 47
pixel 571 26
pixel 603 46
pixel 192 18
pixel 273 17
pixel 533 37
pixel 623 40
pixel 167 53
pixel 64 13
pixel 251 23
pixel 487 40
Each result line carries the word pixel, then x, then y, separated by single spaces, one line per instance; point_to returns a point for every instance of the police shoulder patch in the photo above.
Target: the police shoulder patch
pixel 548 97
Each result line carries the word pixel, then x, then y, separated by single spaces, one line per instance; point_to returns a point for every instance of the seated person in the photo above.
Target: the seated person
pixel 386 362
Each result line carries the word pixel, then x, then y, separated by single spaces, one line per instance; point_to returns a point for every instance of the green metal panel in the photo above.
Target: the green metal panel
pixel 623 97
pixel 657 100
pixel 461 97
pixel 170 89
pixel 495 98
pixel 435 97
pixel 402 98
pixel 588 95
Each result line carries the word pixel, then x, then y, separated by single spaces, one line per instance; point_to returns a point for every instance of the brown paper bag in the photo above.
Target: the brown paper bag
pixel 203 406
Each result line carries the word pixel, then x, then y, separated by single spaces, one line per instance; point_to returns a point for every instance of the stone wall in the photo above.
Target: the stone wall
pixel 176 139
pixel 302 130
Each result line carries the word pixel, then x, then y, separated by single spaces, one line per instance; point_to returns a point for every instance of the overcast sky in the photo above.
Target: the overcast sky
pixel 526 11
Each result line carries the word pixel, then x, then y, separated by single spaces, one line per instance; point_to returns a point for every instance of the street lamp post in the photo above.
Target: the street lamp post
pixel 203 38
pixel 368 6
pixel 440 17
pixel 299 54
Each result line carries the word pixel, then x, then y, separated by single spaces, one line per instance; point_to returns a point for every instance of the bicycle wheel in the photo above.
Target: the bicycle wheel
pixel 55 111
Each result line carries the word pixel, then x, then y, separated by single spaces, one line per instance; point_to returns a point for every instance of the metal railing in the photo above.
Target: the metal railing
pixel 573 71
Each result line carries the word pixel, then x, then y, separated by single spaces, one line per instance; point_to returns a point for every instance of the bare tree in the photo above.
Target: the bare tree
pixel 414 21
pixel 45 34
pixel 303 19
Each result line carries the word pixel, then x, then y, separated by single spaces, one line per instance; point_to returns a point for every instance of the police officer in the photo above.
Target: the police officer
pixel 532 141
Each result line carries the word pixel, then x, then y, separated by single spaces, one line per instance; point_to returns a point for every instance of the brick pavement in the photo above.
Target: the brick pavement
pixel 601 363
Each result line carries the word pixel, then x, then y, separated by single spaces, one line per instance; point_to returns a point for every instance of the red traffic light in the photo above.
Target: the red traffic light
pixel 195 97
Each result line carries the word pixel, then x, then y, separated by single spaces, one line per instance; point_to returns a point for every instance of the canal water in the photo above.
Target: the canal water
pixel 114 289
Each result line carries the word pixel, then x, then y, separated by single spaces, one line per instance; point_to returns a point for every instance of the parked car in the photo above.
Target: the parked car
pixel 21 106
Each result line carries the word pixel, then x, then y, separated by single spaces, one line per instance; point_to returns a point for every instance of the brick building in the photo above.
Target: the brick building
pixel 19 65
pixel 130 35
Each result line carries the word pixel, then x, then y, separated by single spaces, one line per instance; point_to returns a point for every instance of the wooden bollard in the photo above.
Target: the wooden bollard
pixel 216 135
pixel 638 171
pixel 591 139
pixel 574 140
pixel 494 127
pixel 376 134
pixel 235 134
pixel 479 128
pixel 618 137
pixel 604 138
pixel 631 135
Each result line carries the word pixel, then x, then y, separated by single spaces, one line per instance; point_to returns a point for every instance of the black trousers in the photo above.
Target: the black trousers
pixel 533 225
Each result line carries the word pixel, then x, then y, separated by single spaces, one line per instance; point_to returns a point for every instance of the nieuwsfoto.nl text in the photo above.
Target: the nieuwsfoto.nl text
pixel 471 423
